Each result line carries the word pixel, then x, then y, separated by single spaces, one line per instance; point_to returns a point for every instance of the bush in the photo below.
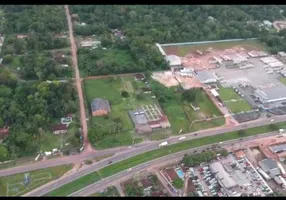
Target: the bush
pixel 178 183
pixel 88 162
pixel 124 94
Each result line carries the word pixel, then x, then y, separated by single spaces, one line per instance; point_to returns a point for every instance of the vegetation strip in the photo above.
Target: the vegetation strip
pixel 151 155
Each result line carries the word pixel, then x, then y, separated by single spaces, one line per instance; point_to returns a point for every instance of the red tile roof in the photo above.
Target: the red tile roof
pixel 146 183
pixel 59 127
pixel 139 76
pixel 171 173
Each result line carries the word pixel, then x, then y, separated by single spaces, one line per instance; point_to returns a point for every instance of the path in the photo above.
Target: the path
pixel 119 189
pixel 87 145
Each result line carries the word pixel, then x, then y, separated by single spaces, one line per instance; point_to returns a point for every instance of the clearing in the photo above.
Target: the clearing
pixel 238 106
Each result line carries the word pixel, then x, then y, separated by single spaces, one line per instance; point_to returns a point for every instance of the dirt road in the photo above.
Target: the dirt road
pixel 87 146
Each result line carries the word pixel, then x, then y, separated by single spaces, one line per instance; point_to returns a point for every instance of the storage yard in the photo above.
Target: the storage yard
pixel 235 71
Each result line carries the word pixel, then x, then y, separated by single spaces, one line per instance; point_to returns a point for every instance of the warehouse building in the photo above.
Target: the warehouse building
pixel 270 167
pixel 278 148
pixel 271 95
pixel 206 77
pixel 224 178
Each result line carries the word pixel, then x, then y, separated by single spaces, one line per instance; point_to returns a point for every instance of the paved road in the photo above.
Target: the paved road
pixel 126 152
pixel 176 156
pixel 96 166
pixel 78 83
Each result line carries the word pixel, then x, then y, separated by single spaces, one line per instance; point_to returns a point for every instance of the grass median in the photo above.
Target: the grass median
pixel 151 155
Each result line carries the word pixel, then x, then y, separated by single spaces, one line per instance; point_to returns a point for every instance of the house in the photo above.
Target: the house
pixel 60 57
pixel 89 43
pixel 99 107
pixel 139 77
pixel 21 36
pixel 59 129
pixel 206 77
pixel 146 90
pixel 270 167
pixel 4 132
pixel 239 154
pixel 74 16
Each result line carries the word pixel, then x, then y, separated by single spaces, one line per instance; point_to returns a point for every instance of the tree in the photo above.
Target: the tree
pixel 3 153
pixel 241 133
pixel 178 183
pixel 124 94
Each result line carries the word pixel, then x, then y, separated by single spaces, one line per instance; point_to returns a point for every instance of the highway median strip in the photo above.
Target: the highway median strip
pixel 120 166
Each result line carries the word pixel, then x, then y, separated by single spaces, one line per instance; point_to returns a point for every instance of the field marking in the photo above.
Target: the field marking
pixel 21 184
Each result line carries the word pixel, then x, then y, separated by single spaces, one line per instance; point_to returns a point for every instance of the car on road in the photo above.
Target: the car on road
pixel 110 162
pixel 129 169
pixel 272 120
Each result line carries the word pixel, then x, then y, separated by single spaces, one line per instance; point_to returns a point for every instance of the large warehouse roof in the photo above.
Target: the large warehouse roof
pixel 272 94
pixel 278 148
pixel 222 175
pixel 205 76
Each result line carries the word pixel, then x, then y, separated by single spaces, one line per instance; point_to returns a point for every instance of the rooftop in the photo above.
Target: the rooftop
pixel 100 104
pixel 222 175
pixel 174 60
pixel 205 75
pixel 278 148
pixel 272 94
pixel 59 127
pixel 240 154
pixel 138 116
pixel 269 163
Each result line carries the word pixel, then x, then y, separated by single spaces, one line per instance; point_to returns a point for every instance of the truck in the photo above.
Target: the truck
pixel 163 144
pixel 182 138
pixel 263 173
pixel 283 172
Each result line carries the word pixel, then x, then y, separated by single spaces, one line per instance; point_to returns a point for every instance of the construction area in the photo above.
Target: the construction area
pixel 236 69
pixel 279 25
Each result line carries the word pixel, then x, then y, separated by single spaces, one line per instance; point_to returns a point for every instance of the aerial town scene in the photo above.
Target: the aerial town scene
pixel 126 100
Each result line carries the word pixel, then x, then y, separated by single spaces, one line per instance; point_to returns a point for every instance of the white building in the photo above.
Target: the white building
pixel 206 77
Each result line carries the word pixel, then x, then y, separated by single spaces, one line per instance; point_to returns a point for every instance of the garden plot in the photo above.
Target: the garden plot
pixel 152 112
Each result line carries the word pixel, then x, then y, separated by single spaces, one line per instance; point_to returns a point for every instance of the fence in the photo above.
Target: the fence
pixel 205 42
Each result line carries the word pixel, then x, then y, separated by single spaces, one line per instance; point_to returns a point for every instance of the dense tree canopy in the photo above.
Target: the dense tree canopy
pixel 29 108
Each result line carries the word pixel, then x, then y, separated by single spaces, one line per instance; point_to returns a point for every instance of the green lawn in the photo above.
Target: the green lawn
pixel 207 124
pixel 238 106
pixel 109 192
pixel 227 94
pixel 49 141
pixel 283 80
pixel 110 89
pixel 182 50
pixel 158 153
pixel 13 185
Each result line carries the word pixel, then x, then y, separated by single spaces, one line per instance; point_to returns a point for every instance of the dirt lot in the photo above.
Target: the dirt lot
pixel 166 78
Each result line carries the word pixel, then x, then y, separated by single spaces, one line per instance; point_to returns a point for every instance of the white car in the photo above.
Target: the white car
pixel 272 120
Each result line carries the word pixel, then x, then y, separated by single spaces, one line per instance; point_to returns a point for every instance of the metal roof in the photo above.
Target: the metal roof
pixel 205 76
pixel 269 164
pixel 277 148
pixel 174 60
pixel 222 175
pixel 138 116
pixel 272 94
pixel 99 104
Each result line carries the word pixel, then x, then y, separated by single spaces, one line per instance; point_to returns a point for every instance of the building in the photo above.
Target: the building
pixel 188 72
pixel 59 129
pixel 21 36
pixel 206 77
pixel 281 54
pixel 173 60
pixel 89 43
pixel 99 107
pixel 214 92
pixel 4 132
pixel 143 124
pixel 267 23
pixel 278 148
pixel 239 154
pixel 139 77
pixel 224 178
pixel 270 167
pixel 270 95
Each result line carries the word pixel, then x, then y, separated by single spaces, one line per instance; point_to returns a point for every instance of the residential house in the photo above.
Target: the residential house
pixel 270 166
pixel 59 129
pixel 139 77
pixel 4 132
pixel 99 107
pixel 22 36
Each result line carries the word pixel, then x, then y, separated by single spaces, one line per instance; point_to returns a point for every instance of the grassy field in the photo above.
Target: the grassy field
pixel 158 153
pixel 14 185
pixel 283 80
pixel 238 106
pixel 110 89
pixel 109 192
pixel 227 94
pixel 182 50
pixel 207 124
pixel 49 141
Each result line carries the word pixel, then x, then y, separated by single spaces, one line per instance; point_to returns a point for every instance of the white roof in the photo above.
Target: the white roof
pixel 222 175
pixel 214 92
pixel 174 60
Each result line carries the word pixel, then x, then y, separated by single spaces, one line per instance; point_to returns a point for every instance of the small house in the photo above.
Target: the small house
pixel 139 77
pixel 4 132
pixel 59 129
pixel 99 107
pixel 21 36
pixel 146 90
